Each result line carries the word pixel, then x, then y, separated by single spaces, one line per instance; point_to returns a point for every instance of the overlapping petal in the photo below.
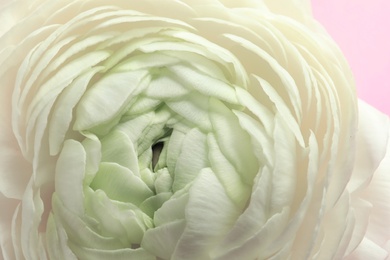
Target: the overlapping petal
pixel 183 130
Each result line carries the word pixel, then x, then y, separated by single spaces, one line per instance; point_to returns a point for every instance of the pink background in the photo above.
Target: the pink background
pixel 362 30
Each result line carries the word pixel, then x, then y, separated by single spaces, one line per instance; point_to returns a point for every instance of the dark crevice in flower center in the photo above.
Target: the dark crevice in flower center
pixel 135 246
pixel 156 148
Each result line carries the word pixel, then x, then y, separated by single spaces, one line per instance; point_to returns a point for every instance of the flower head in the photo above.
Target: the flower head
pixel 182 130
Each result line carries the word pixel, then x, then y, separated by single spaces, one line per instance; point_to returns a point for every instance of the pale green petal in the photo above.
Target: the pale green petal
pixel 118 148
pixel 191 160
pixel 195 111
pixel 134 128
pixel 92 148
pixel 164 86
pixel 262 144
pixel 163 182
pixel 156 130
pixel 119 183
pixel 128 49
pixel 203 64
pixel 162 240
pixel 173 209
pixel 142 106
pixel 153 203
pixel 78 230
pixel 147 175
pixel 235 187
pixel 206 85
pixel 174 146
pixel 229 134
pixel 153 62
pixel 122 221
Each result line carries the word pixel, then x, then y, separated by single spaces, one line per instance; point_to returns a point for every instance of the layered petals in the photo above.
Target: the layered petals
pixel 183 129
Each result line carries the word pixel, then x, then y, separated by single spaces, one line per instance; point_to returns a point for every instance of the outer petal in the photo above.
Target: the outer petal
pixel 373 149
pixel 8 207
pixel 297 9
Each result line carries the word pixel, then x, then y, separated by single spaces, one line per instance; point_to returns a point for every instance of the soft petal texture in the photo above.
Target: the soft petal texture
pixel 374 149
pixel 184 129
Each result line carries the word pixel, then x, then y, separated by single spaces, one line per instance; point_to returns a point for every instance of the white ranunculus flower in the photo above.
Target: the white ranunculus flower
pixel 184 129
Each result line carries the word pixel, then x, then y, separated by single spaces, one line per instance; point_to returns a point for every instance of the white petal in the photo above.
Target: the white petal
pixel 8 208
pixel 252 219
pixel 373 157
pixel 57 240
pixel 106 99
pixel 69 177
pixel 283 110
pixel 15 171
pixel 368 250
pixel 31 213
pixel 371 145
pixel 297 9
pixel 62 112
pixel 209 215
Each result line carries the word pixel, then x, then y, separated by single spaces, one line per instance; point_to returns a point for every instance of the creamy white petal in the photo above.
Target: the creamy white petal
pixel 205 225
pixel 373 156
